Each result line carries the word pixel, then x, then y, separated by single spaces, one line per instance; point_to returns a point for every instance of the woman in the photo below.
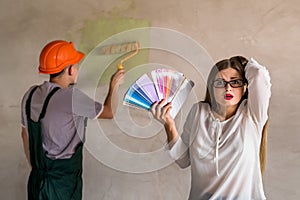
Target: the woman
pixel 222 135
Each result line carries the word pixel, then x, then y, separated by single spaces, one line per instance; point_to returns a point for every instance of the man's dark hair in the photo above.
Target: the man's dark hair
pixel 59 73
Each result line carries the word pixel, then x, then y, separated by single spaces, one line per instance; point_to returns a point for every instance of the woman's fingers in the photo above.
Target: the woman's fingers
pixel 153 108
pixel 166 111
pixel 156 109
pixel 161 111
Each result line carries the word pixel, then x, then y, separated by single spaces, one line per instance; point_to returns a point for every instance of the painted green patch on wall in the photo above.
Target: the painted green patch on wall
pixel 96 31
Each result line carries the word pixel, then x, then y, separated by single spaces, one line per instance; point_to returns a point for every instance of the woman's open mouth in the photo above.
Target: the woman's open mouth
pixel 228 96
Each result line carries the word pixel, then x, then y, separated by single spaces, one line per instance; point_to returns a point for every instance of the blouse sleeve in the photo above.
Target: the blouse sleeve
pixel 259 90
pixel 180 150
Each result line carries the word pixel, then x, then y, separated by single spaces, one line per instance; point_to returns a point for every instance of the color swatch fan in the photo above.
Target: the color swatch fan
pixel 165 84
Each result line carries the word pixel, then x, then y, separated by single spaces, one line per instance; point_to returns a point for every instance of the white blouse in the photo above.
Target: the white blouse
pixel 224 156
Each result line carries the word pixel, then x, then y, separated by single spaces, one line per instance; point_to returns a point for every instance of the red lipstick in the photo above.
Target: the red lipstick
pixel 228 96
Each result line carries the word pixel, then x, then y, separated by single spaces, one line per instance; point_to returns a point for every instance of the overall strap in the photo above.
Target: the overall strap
pixel 28 102
pixel 42 115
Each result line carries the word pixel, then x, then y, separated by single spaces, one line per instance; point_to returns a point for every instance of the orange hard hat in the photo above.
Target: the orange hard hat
pixel 57 55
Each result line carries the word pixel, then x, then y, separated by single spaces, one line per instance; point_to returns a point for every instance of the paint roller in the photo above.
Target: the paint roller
pixel 121 48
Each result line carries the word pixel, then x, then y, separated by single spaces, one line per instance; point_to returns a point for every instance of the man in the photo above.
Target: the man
pixel 54 117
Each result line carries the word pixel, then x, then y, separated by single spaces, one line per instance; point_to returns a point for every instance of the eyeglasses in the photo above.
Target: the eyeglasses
pixel 221 83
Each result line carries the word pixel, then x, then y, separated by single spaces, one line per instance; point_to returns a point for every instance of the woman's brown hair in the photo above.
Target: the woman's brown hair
pixel 238 63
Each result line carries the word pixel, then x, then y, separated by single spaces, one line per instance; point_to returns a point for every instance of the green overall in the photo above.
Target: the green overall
pixel 59 179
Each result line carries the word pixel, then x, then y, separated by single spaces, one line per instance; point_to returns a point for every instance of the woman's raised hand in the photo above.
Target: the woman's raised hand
pixel 161 112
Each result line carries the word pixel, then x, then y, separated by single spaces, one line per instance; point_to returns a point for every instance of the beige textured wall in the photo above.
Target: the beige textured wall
pixel 266 30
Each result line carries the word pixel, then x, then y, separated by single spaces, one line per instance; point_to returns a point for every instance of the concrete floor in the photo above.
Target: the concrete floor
pixel 266 30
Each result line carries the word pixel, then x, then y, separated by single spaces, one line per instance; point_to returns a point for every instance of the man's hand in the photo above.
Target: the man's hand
pixel 117 78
